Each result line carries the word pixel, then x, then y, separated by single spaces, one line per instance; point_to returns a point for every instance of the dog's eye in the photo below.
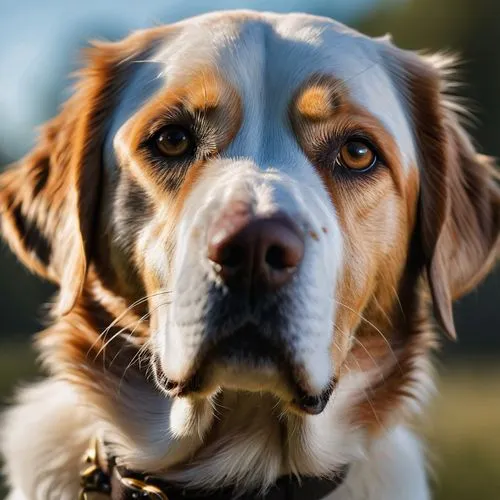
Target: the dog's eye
pixel 357 155
pixel 174 140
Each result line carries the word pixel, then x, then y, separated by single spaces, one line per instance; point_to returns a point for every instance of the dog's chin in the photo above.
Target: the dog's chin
pixel 248 362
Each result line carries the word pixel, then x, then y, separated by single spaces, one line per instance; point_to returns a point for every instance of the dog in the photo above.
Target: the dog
pixel 252 219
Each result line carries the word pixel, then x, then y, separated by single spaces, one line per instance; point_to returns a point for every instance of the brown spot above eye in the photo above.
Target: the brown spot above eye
pixel 205 90
pixel 315 103
pixel 314 235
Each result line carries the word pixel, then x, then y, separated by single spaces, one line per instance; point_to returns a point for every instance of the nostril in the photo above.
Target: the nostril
pixel 282 246
pixel 276 258
pixel 231 256
pixel 262 252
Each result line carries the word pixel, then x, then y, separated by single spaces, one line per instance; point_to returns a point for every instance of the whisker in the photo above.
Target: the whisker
pixel 370 356
pixel 367 321
pixel 217 406
pixel 399 301
pixel 341 87
pixel 369 400
pixel 142 350
pixel 120 317
pixel 381 309
pixel 380 370
pixel 129 336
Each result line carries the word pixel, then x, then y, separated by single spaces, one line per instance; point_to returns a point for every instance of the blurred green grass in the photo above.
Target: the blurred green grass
pixel 462 426
pixel 463 432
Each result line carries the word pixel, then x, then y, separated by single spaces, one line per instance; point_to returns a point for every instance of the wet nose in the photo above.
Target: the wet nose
pixel 255 252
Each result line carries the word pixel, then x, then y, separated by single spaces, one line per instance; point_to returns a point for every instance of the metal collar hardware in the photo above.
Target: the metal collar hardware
pixel 101 478
pixel 95 483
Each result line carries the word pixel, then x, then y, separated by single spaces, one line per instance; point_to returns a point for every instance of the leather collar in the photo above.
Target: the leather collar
pixel 102 479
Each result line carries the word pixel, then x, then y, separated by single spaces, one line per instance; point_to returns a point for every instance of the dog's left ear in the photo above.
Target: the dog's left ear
pixel 49 199
pixel 459 213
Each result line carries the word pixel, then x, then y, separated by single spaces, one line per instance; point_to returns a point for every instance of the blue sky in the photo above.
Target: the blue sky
pixel 39 42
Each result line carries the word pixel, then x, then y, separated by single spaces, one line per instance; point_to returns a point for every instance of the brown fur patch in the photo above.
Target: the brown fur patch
pixel 204 97
pixel 318 98
pixel 204 103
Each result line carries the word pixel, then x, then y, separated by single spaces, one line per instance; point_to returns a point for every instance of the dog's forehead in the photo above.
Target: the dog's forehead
pixel 267 57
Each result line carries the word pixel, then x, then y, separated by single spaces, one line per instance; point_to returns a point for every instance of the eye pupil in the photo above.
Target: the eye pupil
pixel 357 149
pixel 357 155
pixel 173 141
pixel 174 137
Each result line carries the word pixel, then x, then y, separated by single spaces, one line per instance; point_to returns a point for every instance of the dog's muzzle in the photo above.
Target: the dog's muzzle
pixel 248 311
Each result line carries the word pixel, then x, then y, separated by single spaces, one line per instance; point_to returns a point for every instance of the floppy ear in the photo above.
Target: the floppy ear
pixel 459 193
pixel 49 199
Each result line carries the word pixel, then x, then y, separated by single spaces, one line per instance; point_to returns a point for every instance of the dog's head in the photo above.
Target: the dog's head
pixel 276 186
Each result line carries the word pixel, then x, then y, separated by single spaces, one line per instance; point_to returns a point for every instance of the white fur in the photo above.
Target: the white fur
pixel 43 465
pixel 16 495
pixel 43 439
pixel 393 469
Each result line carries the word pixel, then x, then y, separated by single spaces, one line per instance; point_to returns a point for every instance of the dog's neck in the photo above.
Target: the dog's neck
pixel 232 437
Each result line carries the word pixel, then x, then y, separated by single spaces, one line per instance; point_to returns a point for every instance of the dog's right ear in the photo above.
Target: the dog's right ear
pixel 459 204
pixel 49 199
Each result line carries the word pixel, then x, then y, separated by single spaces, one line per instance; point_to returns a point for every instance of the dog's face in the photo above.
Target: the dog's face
pixel 275 186
pixel 277 176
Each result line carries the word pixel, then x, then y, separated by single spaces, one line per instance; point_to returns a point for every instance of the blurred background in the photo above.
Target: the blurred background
pixel 39 46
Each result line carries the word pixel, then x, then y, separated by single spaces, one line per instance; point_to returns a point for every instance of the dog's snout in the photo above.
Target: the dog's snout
pixel 250 251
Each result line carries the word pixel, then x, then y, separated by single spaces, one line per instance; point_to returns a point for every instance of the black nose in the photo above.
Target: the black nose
pixel 254 252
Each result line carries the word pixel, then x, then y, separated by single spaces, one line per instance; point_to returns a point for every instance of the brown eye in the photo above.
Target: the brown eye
pixel 357 155
pixel 174 140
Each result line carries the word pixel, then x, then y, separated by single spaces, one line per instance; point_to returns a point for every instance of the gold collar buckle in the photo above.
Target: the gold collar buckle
pixel 94 482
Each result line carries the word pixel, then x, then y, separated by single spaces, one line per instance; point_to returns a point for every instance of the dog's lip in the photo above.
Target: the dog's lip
pixel 250 346
pixel 245 342
pixel 313 404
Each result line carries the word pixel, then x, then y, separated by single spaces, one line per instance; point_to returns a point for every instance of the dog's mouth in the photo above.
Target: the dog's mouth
pixel 247 360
